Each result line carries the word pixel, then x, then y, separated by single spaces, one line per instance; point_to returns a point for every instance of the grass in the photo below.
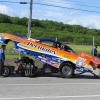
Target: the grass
pixel 11 53
pixel 8 56
pixel 11 56
pixel 82 48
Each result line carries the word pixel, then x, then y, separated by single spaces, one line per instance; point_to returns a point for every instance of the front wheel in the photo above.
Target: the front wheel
pixel 6 71
pixel 66 70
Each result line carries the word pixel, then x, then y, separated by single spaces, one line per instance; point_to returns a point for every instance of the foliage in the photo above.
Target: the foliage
pixel 48 28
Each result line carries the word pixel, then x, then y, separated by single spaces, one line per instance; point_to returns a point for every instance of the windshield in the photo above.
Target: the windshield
pixel 67 48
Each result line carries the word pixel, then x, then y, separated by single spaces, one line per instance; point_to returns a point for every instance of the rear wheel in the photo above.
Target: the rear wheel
pixel 6 71
pixel 66 70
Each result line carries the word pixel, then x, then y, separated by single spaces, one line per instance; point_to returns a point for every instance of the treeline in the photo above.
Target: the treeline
pixel 48 28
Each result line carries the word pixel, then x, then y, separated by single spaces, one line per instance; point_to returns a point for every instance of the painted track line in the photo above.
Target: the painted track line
pixel 50 84
pixel 48 97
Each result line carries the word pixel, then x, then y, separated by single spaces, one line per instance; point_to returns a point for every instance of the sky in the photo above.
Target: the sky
pixel 74 12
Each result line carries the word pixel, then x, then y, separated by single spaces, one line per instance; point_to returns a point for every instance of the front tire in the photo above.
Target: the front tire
pixel 66 70
pixel 6 71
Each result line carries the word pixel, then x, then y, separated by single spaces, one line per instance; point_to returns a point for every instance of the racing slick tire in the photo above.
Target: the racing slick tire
pixel 6 71
pixel 66 70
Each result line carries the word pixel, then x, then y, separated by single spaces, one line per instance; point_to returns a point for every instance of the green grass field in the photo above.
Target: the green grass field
pixel 11 53
pixel 83 48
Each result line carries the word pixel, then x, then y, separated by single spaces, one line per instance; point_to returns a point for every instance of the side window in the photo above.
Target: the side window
pixel 49 43
pixel 56 45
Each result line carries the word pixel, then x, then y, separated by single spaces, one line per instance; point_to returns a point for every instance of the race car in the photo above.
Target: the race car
pixel 65 62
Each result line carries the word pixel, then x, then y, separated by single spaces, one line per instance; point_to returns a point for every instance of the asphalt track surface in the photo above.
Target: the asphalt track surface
pixel 50 87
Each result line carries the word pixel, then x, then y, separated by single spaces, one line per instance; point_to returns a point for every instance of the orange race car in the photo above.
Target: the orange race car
pixel 57 57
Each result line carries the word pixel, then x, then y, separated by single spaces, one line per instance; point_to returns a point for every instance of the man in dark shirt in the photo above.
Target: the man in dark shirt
pixel 2 57
pixel 94 51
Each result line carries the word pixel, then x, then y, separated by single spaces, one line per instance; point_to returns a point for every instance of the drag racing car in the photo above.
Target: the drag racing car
pixel 65 62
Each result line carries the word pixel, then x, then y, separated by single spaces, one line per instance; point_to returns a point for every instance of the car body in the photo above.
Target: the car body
pixel 66 61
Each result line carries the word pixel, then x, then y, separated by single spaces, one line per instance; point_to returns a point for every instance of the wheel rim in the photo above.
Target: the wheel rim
pixel 66 70
pixel 5 71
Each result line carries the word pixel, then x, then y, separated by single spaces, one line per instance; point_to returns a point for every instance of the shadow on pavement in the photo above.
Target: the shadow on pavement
pixel 76 76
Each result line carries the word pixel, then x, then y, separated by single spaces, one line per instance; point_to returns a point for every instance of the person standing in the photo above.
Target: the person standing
pixel 94 51
pixel 2 57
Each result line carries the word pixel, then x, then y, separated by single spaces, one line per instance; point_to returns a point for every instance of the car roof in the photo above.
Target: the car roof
pixel 47 39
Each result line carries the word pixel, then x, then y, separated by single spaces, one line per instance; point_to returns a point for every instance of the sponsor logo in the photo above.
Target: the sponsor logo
pixel 41 48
